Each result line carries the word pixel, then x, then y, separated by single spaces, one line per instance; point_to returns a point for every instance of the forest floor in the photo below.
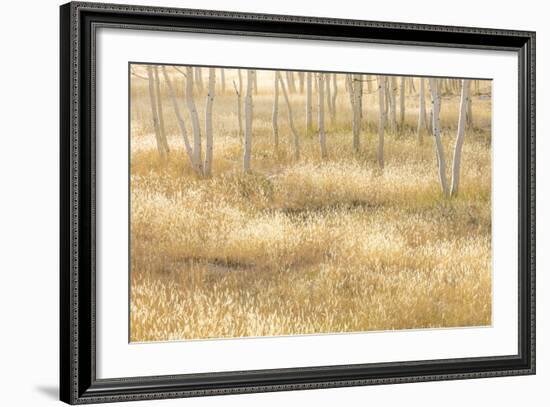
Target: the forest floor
pixel 307 246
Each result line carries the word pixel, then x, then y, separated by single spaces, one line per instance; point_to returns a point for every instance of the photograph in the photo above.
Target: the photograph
pixel 271 202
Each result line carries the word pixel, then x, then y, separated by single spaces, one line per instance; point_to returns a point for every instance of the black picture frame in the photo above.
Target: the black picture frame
pixel 78 382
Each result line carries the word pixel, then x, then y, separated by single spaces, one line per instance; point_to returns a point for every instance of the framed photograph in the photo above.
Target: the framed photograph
pixel 255 203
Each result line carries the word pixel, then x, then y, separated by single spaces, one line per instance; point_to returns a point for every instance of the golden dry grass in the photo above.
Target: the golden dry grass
pixel 310 246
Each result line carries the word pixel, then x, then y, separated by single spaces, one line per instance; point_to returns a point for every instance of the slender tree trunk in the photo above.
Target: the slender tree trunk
pixel 412 89
pixel 321 111
pixel 255 83
pixel 290 119
pixel 181 123
pixel 248 112
pixel 328 95
pixel 208 122
pixel 369 83
pixel 352 100
pixel 239 92
pixel 402 102
pixel 222 77
pixel 422 125
pixel 290 82
pixel 357 90
pixel 189 99
pixel 162 134
pixel 198 80
pixel 381 119
pixel 334 94
pixel 275 115
pixel 309 114
pixel 301 77
pixel 469 115
pixel 436 103
pixel 465 95
pixel 387 98
pixel 393 108
pixel 154 111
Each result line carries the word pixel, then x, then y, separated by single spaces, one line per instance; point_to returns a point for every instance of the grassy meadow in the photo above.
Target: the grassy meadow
pixel 312 245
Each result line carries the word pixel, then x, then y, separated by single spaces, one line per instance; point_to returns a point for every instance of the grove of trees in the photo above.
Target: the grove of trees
pixel 319 89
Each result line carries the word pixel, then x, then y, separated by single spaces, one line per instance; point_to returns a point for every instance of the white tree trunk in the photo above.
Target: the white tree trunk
pixel 181 123
pixel 402 102
pixel 393 108
pixel 328 94
pixel 190 100
pixel 290 81
pixel 334 94
pixel 469 116
pixel 321 111
pixel 198 80
pixel 412 89
pixel 255 82
pixel 309 114
pixel 422 125
pixel 248 111
pixel 351 92
pixel 356 91
pixel 163 139
pixel 381 119
pixel 301 78
pixel 436 103
pixel 275 115
pixel 208 122
pixel 239 92
pixel 222 77
pixel 465 95
pixel 290 118
pixel 154 110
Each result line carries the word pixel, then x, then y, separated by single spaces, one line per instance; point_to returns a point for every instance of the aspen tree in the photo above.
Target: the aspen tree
pixel 369 83
pixel 402 102
pixel 154 111
pixel 412 88
pixel 465 95
pixel 328 95
pixel 290 118
pixel 381 120
pixel 357 94
pixel 352 92
pixel 163 139
pixel 208 122
pixel 275 114
pixel 436 105
pixel 387 98
pixel 181 124
pixel 239 92
pixel 222 78
pixel 309 114
pixel 255 83
pixel 469 115
pixel 248 112
pixel 334 94
pixel 321 116
pixel 422 125
pixel 301 77
pixel 190 101
pixel 198 80
pixel 392 104
pixel 290 82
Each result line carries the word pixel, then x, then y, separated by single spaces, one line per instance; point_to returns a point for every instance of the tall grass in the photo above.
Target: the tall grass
pixel 308 246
